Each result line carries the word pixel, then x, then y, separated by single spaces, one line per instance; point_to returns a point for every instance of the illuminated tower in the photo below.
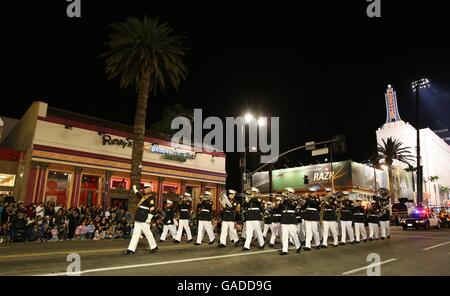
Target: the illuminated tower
pixel 392 114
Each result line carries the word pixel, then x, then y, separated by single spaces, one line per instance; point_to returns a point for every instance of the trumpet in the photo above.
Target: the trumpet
pixel 224 200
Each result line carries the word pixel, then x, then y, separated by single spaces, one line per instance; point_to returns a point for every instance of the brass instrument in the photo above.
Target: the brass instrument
pixel 384 200
pixel 224 200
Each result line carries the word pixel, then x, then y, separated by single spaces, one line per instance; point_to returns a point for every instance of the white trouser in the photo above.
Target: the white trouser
pixel 141 227
pixel 253 226
pixel 330 226
pixel 312 229
pixel 183 224
pixel 289 231
pixel 301 232
pixel 228 228
pixel 202 226
pixel 276 231
pixel 346 228
pixel 373 230
pixel 168 228
pixel 385 229
pixel 267 227
pixel 360 231
pixel 244 230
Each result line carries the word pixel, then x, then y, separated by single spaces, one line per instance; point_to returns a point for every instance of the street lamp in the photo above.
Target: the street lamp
pixel 416 86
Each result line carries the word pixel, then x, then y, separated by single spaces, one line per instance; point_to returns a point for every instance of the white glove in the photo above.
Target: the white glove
pixel 135 189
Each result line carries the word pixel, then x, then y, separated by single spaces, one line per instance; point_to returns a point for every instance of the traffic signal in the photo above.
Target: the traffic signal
pixel 305 179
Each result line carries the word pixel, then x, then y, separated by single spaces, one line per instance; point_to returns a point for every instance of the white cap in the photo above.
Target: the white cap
pixel 328 189
pixel 254 189
pixel 187 194
pixel 345 192
pixel 231 191
pixel 207 193
pixel 279 198
pixel 312 189
pixel 169 202
pixel 290 190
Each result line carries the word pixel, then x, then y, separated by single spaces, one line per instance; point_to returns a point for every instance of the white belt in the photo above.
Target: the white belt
pixel 289 211
pixel 328 210
pixel 311 209
pixel 373 215
pixel 253 209
pixel 205 210
pixel 277 215
pixel 359 213
pixel 144 207
pixel 184 210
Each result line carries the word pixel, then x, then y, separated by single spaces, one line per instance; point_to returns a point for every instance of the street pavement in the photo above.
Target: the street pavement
pixel 412 252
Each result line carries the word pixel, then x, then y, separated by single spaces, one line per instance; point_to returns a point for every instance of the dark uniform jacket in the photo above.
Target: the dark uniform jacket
pixel 276 214
pixel 299 212
pixel 268 216
pixel 347 213
pixel 169 214
pixel 288 213
pixel 204 211
pixel 229 213
pixel 385 215
pixel 312 207
pixel 373 216
pixel 253 210
pixel 329 213
pixel 143 209
pixel 185 211
pixel 359 214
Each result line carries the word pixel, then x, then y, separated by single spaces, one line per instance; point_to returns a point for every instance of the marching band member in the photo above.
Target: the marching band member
pixel 289 222
pixel 384 223
pixel 185 215
pixel 312 217
pixel 253 220
pixel 228 218
pixel 276 222
pixel 299 212
pixel 204 210
pixel 373 220
pixel 359 218
pixel 168 222
pixel 143 216
pixel 346 222
pixel 268 209
pixel 330 222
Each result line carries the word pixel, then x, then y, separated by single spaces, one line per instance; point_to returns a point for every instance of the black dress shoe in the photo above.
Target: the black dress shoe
pixel 197 244
pixel 353 243
pixel 323 246
pixel 128 252
pixel 283 253
pixel 176 241
pixel 161 241
pixel 389 236
pixel 382 238
pixel 271 246
pixel 370 239
pixel 377 238
pixel 342 244
pixel 190 241
pixel 335 246
pixel 154 250
pixel 262 247
pixel 299 250
pixel 317 247
pixel 236 244
pixel 245 249
pixel 212 242
pixel 221 246
pixel 365 240
pixel 357 242
pixel 306 249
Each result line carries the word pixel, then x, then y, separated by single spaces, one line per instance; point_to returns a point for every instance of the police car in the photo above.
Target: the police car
pixel 421 218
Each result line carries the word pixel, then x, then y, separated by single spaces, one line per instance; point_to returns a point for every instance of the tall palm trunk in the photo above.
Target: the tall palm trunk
pixel 391 183
pixel 139 134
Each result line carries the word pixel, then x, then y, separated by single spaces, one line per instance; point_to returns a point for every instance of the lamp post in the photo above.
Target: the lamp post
pixel 416 86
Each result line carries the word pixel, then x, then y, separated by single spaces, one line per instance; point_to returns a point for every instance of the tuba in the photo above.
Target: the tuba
pixel 224 200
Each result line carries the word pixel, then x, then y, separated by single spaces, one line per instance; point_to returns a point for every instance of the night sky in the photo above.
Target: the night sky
pixel 322 68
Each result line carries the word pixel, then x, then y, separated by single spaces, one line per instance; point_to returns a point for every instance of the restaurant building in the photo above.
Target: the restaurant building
pixel 75 159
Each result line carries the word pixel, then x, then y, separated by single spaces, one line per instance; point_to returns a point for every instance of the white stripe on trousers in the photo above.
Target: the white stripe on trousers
pixel 228 228
pixel 183 224
pixel 373 230
pixel 253 226
pixel 276 231
pixel 289 231
pixel 330 226
pixel 168 228
pixel 139 228
pixel 360 231
pixel 385 229
pixel 202 227
pixel 346 228
pixel 312 230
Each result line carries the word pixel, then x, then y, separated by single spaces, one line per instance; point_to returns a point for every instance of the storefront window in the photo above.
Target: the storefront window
pixel 57 187
pixel 7 180
pixel 89 194
pixel 120 183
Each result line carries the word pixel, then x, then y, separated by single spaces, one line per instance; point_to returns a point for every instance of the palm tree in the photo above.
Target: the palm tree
pixel 144 53
pixel 392 150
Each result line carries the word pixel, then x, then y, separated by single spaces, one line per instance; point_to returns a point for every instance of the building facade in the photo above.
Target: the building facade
pixel 73 159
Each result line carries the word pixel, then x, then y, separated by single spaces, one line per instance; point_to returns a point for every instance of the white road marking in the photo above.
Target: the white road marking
pixel 430 237
pixel 155 263
pixel 368 266
pixel 435 246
